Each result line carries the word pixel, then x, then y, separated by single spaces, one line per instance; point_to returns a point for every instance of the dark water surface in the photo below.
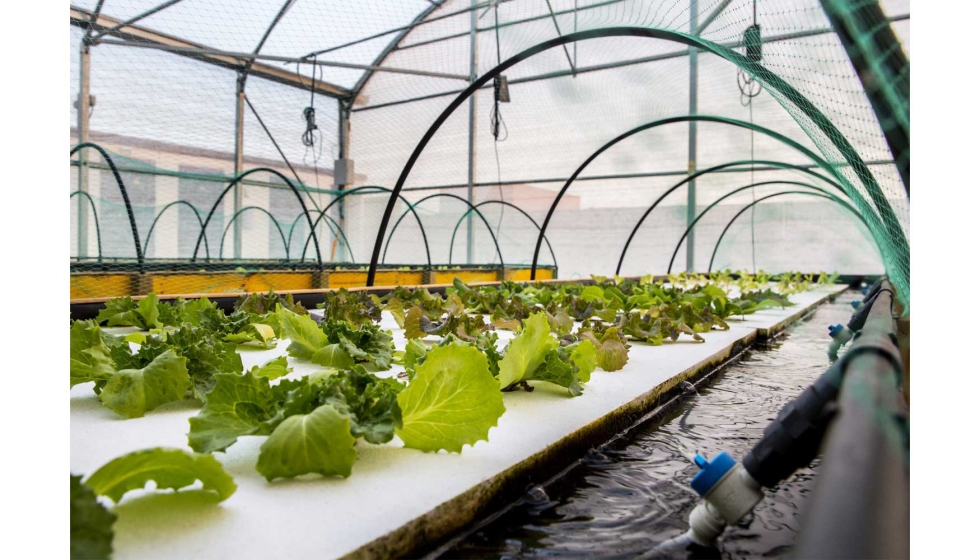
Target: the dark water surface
pixel 634 493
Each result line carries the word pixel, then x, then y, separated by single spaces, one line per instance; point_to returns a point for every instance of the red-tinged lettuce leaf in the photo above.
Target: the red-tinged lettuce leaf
pixel 612 352
pixel 91 524
pixel 168 468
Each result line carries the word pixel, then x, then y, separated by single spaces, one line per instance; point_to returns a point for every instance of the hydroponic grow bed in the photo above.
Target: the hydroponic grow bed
pixel 399 500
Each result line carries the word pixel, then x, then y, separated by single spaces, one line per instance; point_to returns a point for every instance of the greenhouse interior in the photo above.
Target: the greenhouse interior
pixel 349 280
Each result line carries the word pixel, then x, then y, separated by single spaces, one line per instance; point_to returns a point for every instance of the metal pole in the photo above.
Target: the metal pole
pixel 471 173
pixel 84 106
pixel 239 160
pixel 692 138
pixel 343 142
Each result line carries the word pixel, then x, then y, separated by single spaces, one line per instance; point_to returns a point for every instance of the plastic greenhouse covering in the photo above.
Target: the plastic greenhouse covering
pixel 320 108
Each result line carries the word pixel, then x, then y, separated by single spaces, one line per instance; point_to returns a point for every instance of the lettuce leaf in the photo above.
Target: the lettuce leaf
pixel 318 442
pixel 133 392
pixel 611 351
pixel 371 402
pixel 452 401
pixel 303 333
pixel 273 369
pixel 169 468
pixel 89 354
pixel 124 312
pixel 527 351
pixel 238 405
pixel 91 524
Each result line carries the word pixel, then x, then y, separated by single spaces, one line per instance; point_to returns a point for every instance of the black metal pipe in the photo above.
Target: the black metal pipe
pixel 98 232
pixel 448 195
pixel 724 167
pixel 235 181
pixel 757 201
pixel 425 239
pixel 895 238
pixel 732 193
pixel 122 190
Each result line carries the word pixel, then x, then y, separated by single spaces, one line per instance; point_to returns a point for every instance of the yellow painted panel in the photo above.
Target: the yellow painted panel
pixel 524 274
pixel 100 285
pixel 358 278
pixel 265 281
pixel 468 276
pixel 214 283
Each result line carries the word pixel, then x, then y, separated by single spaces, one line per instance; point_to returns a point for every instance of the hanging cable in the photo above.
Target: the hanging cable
pixel 750 88
pixel 312 137
pixel 500 92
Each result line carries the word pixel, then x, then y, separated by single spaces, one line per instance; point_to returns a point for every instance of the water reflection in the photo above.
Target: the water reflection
pixel 633 494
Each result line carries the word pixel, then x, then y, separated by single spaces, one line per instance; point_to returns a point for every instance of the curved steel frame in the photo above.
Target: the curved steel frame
pixel 750 205
pixel 671 120
pixel 221 245
pixel 234 182
pixel 766 77
pixel 98 233
pixel 689 178
pixel 337 231
pixel 448 195
pixel 200 222
pixel 690 228
pixel 425 239
pixel 122 189
pixel 452 240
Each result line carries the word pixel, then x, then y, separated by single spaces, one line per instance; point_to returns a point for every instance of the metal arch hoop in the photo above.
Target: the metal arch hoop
pixel 452 240
pixel 449 195
pixel 98 233
pixel 689 178
pixel 122 189
pixel 822 163
pixel 336 230
pixel 425 239
pixel 895 235
pixel 750 205
pixel 221 245
pixel 738 190
pixel 234 182
pixel 200 222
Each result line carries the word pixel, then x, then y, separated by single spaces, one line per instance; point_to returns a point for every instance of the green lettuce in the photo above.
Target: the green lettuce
pixel 91 524
pixel 452 401
pixel 527 351
pixel 318 442
pixel 133 392
pixel 168 468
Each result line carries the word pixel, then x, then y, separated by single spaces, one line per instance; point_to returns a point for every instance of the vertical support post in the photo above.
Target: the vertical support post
pixel 575 44
pixel 692 138
pixel 84 105
pixel 343 143
pixel 471 171
pixel 239 160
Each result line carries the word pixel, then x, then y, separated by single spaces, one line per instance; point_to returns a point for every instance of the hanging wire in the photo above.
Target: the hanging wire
pixel 497 120
pixel 750 89
pixel 312 137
